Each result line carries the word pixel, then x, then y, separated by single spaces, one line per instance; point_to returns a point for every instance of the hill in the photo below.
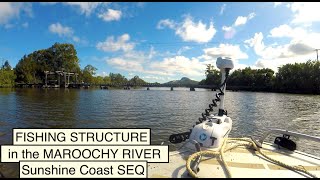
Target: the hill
pixel 182 81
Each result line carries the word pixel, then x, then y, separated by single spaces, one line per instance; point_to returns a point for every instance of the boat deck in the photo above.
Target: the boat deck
pixel 242 163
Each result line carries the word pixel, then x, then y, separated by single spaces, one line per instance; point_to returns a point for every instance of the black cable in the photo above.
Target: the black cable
pixel 220 87
pixel 180 137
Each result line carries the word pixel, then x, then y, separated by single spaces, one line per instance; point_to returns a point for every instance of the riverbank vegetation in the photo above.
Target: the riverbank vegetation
pixel 292 78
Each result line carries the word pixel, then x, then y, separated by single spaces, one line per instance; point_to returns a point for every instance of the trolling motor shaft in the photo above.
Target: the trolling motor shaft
pixel 225 65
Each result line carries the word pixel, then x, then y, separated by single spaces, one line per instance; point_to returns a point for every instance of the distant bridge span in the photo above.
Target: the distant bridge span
pixel 128 85
pixel 157 85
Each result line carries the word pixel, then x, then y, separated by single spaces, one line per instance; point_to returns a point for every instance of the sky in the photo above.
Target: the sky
pixel 164 41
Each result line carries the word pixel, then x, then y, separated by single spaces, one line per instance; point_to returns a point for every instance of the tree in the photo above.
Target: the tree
pixel 6 65
pixel 87 74
pixel 31 67
pixel 26 70
pixel 299 77
pixel 98 80
pixel 7 76
pixel 90 69
pixel 118 78
pixel 106 80
pixel 212 76
pixel 136 80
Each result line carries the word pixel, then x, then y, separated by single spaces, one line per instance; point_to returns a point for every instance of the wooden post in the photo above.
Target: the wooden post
pixel 68 79
pixel 65 79
pixel 46 78
pixel 59 78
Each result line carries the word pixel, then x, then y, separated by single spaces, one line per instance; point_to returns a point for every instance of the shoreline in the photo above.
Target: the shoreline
pixel 229 88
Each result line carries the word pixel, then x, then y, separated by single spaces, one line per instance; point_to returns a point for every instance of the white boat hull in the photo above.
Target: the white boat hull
pixel 242 163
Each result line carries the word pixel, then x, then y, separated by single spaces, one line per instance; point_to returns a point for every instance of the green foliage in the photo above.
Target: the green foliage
pixel 252 78
pixel 87 75
pixel 6 65
pixel 117 78
pixel 59 57
pixel 136 80
pixel 106 80
pixel 7 75
pixel 213 76
pixel 293 78
pixel 299 77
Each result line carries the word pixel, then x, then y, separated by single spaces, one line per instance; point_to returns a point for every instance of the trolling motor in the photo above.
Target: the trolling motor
pixel 214 128
pixel 211 129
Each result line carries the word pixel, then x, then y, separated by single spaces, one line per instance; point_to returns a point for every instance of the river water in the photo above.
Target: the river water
pixel 160 109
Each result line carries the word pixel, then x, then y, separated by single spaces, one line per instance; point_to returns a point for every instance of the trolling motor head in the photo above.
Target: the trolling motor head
pixel 224 63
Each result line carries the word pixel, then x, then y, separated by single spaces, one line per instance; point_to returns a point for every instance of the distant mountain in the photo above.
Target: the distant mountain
pixel 183 81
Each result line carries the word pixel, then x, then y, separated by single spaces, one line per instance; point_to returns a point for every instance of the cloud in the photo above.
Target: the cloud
pixel 57 28
pixel 176 65
pixel 183 49
pixel 86 8
pixel 223 7
pixel 230 31
pixel 48 3
pixel 76 39
pixel 166 23
pixel 123 64
pixel 121 44
pixel 275 4
pixel 299 49
pixel 64 31
pixel 11 10
pixel 226 50
pixel 256 42
pixel 179 65
pixel 276 62
pixel 305 12
pixel 241 20
pixel 147 62
pixel 25 25
pixel 267 52
pixel 189 30
pixel 286 31
pixel 302 40
pixel 143 62
pixel 153 78
pixel 111 15
pixel 134 61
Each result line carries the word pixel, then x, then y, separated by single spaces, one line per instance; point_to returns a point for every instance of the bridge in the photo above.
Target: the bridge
pixel 128 86
pixel 149 85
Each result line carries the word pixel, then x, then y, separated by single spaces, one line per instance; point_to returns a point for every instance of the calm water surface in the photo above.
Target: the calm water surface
pixel 160 109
